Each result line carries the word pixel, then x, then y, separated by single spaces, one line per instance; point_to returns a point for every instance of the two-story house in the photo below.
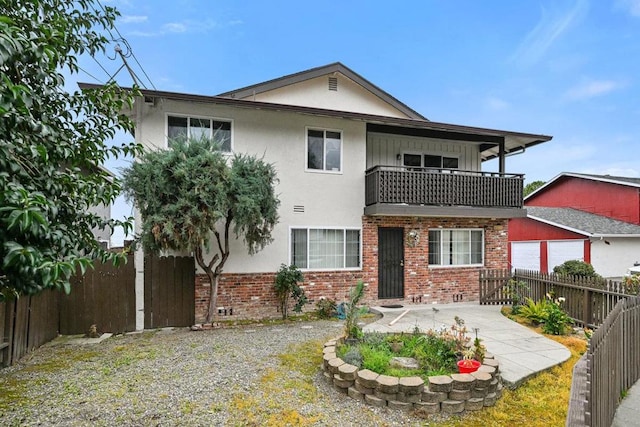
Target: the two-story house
pixel 369 188
pixel 592 218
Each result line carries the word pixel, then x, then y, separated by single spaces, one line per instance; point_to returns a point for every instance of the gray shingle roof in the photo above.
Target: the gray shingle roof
pixel 610 178
pixel 582 222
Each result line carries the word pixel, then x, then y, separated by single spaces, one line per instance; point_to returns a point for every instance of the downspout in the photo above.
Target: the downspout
pixel 139 254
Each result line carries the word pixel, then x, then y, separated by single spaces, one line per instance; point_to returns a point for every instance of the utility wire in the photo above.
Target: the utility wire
pixel 129 51
pixel 89 74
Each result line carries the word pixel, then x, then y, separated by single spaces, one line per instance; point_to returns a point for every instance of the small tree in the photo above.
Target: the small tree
pixel 352 311
pixel 286 287
pixel 190 193
pixel 52 143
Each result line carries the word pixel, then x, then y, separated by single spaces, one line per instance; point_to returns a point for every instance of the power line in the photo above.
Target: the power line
pixel 89 74
pixel 128 53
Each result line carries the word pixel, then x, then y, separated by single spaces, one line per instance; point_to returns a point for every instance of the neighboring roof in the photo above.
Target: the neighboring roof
pixel 336 67
pixel 582 222
pixel 488 139
pixel 620 180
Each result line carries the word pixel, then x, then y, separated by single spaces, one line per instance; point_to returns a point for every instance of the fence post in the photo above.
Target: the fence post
pixel 586 307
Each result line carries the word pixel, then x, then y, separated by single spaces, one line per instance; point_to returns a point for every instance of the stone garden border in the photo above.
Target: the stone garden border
pixel 448 394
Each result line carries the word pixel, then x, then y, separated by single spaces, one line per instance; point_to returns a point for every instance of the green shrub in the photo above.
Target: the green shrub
pixel 534 311
pixel 353 357
pixel 353 312
pixel 325 308
pixel 376 340
pixel 286 286
pixel 375 360
pixel 557 320
pixel 576 268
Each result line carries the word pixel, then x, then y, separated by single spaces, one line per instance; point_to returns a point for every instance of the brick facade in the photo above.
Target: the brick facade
pixel 251 296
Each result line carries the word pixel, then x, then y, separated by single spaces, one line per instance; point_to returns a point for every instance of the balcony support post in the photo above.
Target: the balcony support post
pixel 501 156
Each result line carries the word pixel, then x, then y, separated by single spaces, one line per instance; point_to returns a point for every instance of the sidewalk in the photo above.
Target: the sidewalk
pixel 628 413
pixel 520 351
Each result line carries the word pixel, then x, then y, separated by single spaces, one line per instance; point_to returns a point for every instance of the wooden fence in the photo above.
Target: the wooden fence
pixel 169 292
pixel 26 324
pixel 587 300
pixel 105 297
pixel 613 362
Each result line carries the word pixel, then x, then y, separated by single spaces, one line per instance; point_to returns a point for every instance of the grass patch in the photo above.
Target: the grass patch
pixel 541 401
pixel 281 390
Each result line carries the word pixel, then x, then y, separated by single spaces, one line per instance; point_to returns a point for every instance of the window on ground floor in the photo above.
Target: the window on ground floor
pixel 449 247
pixel 325 248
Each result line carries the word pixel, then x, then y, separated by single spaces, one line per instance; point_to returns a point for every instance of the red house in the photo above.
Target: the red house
pixel 593 218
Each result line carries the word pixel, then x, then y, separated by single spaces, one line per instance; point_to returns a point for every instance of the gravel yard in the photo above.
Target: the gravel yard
pixel 236 376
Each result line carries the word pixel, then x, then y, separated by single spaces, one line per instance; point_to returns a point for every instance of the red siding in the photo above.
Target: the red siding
pixel 523 229
pixel 601 198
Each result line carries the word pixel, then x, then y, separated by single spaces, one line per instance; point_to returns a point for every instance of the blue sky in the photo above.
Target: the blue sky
pixel 566 68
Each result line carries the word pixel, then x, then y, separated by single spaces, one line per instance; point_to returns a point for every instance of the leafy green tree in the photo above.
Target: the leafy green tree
pixel 191 191
pixel 532 186
pixel 52 144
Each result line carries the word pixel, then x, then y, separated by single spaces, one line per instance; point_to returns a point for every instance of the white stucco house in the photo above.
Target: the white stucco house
pixel 370 189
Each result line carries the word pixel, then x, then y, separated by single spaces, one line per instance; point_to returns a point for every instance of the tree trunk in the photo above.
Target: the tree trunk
pixel 213 296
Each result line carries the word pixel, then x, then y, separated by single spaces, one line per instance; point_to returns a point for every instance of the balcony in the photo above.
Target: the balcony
pixel 394 190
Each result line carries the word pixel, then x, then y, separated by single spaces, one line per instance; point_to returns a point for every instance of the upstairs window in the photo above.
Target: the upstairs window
pixel 429 161
pixel 456 247
pixel 324 150
pixel 198 127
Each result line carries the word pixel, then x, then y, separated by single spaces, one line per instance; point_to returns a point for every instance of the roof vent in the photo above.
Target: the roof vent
pixel 333 83
pixel 298 209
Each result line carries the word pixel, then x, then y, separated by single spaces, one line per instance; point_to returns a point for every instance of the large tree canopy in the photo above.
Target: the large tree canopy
pixel 191 194
pixel 52 143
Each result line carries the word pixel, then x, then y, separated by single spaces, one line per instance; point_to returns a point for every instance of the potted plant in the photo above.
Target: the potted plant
pixel 468 364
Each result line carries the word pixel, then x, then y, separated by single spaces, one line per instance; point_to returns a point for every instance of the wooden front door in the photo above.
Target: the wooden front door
pixel 390 262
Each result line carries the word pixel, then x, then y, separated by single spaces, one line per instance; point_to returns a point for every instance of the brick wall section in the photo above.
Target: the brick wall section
pixel 251 296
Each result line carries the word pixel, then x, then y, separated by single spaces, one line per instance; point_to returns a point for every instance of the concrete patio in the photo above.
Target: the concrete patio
pixel 520 351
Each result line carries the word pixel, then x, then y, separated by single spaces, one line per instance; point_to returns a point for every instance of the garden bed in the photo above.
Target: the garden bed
pixel 448 394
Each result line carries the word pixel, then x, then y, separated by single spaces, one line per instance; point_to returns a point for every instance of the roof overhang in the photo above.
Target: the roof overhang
pixel 382 209
pixel 489 140
pixel 582 232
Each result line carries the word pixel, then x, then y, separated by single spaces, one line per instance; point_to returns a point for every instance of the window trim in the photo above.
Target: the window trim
pixel 306 150
pixel 196 116
pixel 459 265
pixel 429 153
pixel 311 227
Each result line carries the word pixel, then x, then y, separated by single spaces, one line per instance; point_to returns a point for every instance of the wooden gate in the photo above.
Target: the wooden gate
pixel 493 287
pixel 169 292
pixel 390 262
pixel 105 296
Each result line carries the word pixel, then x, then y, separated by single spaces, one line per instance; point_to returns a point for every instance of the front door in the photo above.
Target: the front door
pixel 390 262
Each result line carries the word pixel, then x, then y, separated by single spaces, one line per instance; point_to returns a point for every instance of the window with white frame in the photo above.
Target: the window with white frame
pixel 325 248
pixel 451 247
pixel 324 150
pixel 200 127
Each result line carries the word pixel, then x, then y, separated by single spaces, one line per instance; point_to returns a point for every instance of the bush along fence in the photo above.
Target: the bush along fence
pixel 587 301
pixel 613 362
pixel 449 394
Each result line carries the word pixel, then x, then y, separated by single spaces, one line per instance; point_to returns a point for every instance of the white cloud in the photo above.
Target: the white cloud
pixel 631 6
pixel 548 30
pixel 182 27
pixel 175 27
pixel 494 103
pixel 132 19
pixel 592 88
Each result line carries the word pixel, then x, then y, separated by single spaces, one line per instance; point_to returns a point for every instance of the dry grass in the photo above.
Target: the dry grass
pixel 541 401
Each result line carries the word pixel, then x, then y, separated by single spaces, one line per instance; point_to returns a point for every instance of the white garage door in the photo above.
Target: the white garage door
pixel 525 255
pixel 559 252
